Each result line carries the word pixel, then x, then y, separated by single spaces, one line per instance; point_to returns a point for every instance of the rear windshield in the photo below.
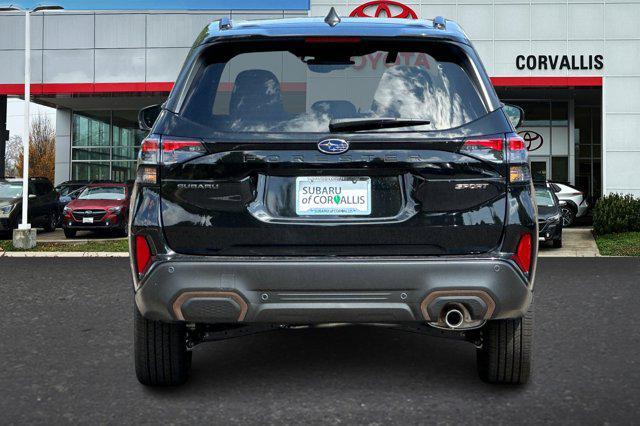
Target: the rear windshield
pixel 66 190
pixel 544 197
pixel 103 193
pixel 301 87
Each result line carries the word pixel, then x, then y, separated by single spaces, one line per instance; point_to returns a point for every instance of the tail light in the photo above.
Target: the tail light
pixel 143 254
pixel 149 151
pixel 156 150
pixel 484 148
pixel 178 151
pixel 522 256
pixel 169 151
pixel 494 149
pixel 517 150
pixel 518 158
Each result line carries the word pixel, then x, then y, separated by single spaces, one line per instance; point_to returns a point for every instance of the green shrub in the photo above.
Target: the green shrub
pixel 616 213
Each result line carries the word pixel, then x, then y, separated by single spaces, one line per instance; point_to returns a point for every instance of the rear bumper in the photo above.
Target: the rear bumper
pixel 198 289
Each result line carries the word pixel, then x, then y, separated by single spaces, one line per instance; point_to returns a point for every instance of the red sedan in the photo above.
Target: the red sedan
pixel 101 206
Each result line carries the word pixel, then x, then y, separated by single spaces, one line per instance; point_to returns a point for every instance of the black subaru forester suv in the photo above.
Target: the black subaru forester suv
pixel 314 171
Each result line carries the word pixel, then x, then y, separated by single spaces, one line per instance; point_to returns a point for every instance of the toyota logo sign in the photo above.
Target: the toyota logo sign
pixel 383 9
pixel 534 140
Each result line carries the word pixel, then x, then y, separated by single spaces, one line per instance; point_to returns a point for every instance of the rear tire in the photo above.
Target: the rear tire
pixel 69 233
pixel 557 243
pixel 161 356
pixel 505 356
pixel 123 231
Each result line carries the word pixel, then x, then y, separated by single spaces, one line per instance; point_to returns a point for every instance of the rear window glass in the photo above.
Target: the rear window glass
pixel 544 197
pixel 301 87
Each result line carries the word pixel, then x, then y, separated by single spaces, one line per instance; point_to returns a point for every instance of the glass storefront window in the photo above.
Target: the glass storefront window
pixel 535 113
pixel 125 129
pixel 539 170
pixel 560 114
pixel 125 153
pixel 560 169
pixel 105 145
pixel 90 154
pixel 123 171
pixel 81 170
pixel 91 128
pixel 588 135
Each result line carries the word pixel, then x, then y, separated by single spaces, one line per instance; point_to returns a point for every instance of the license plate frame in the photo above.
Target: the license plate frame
pixel 87 220
pixel 333 196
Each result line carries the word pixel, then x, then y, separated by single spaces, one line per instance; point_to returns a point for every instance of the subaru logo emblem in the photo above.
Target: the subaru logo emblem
pixel 333 146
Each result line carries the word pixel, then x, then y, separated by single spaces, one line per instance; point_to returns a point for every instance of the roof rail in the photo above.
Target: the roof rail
pixel 439 23
pixel 225 24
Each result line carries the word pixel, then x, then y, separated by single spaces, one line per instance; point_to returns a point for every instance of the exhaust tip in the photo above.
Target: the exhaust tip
pixel 454 318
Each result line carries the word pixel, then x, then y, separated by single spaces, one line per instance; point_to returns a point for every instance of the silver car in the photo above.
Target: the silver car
pixel 573 202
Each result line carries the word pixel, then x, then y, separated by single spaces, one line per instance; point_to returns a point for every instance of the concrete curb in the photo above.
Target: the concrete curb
pixel 62 254
pixel 80 240
pixel 569 253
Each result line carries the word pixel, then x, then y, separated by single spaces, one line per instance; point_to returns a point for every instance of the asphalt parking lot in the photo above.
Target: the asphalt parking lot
pixel 66 357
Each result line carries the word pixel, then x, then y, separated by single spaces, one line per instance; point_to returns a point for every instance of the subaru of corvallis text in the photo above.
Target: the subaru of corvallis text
pixel 312 171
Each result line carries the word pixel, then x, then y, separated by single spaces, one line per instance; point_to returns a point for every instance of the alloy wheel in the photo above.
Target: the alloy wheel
pixel 567 216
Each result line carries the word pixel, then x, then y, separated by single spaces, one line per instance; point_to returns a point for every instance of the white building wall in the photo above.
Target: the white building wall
pixel 105 46
pixel 63 146
pixel 621 98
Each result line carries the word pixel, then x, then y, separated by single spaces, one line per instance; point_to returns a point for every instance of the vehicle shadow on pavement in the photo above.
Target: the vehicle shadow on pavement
pixel 370 358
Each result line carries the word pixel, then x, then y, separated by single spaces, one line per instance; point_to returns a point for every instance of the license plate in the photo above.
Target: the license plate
pixel 333 196
pixel 87 220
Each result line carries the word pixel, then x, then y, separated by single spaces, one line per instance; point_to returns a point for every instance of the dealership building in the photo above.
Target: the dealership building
pixel 573 66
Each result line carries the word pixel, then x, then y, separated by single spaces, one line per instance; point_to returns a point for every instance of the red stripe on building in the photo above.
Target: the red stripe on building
pixel 13 89
pixel 89 88
pixel 547 81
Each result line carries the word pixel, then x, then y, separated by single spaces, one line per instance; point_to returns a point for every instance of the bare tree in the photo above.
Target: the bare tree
pixel 42 149
pixel 13 152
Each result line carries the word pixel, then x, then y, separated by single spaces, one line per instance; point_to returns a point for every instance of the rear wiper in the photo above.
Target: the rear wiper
pixel 356 124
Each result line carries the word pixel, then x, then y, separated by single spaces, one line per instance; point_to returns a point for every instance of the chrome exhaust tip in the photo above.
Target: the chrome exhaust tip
pixel 453 318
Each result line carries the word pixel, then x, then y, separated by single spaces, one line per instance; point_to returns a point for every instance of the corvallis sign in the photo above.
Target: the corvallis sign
pixel 560 62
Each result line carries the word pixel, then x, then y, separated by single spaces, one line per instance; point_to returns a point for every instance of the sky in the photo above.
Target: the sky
pixel 15 115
